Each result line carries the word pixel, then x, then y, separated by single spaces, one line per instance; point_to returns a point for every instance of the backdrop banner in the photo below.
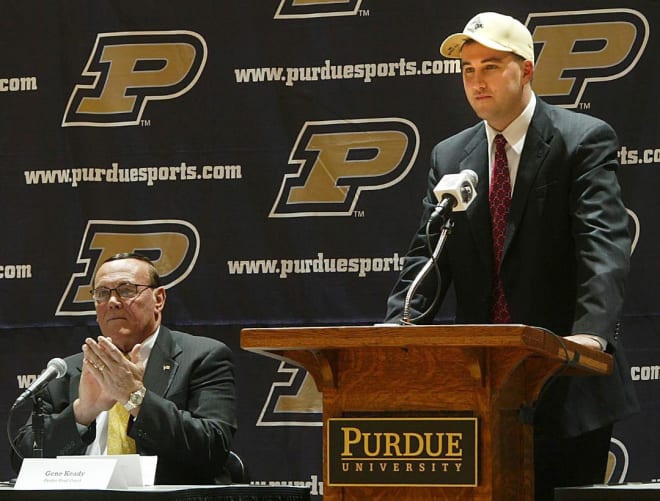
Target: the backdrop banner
pixel 271 157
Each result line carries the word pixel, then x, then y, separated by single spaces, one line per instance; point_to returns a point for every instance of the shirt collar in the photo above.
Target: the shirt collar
pixel 147 346
pixel 517 130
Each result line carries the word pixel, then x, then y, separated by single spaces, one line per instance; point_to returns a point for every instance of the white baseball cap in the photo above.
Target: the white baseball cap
pixel 493 30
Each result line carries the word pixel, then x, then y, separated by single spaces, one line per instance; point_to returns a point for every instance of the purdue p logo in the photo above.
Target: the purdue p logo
pixel 584 46
pixel 340 159
pixel 129 70
pixel 317 8
pixel 172 245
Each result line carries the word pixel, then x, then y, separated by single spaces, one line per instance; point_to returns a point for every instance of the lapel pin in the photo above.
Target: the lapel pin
pixel 166 367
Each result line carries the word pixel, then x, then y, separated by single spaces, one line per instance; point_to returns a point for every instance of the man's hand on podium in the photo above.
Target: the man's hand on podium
pixel 588 340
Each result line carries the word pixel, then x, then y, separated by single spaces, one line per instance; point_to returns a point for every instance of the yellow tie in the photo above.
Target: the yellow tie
pixel 118 441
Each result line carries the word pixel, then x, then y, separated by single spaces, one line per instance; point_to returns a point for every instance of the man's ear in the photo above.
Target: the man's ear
pixel 528 71
pixel 160 295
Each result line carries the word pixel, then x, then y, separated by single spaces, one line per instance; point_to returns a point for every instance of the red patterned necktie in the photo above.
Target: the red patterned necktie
pixel 499 199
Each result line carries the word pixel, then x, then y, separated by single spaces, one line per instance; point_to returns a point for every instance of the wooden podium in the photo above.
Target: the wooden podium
pixel 488 371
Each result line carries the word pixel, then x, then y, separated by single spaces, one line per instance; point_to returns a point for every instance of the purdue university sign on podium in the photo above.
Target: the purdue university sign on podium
pixel 427 412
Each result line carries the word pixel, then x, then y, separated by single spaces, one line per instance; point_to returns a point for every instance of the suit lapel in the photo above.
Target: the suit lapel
pixel 477 214
pixel 533 155
pixel 162 365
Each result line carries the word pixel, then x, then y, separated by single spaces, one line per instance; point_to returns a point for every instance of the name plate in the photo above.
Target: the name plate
pixel 87 472
pixel 56 474
pixel 402 451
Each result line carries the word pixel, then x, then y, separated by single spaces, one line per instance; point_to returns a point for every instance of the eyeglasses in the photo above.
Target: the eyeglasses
pixel 124 291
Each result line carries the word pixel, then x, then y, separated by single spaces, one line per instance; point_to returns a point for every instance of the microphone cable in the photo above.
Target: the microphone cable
pixel 9 435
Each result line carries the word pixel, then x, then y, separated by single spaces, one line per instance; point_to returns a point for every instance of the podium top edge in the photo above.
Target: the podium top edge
pixel 275 341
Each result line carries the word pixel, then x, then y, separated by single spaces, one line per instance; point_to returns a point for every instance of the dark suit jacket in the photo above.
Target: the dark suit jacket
pixel 187 418
pixel 566 254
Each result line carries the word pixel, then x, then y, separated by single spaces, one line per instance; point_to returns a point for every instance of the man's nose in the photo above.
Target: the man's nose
pixel 114 298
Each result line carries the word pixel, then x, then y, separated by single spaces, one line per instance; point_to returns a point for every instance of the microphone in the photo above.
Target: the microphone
pixel 55 369
pixel 455 192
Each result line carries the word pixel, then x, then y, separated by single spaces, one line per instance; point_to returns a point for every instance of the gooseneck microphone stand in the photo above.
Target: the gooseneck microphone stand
pixel 431 263
pixel 453 192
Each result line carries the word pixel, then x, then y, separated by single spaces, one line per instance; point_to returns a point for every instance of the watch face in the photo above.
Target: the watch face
pixel 136 397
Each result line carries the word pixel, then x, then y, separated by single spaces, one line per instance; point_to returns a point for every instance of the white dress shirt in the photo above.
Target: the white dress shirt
pixel 515 135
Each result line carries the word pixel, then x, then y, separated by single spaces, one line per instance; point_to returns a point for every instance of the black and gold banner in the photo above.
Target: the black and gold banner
pixel 271 156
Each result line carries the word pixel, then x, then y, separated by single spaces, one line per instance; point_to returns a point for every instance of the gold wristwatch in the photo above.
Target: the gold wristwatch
pixel 136 398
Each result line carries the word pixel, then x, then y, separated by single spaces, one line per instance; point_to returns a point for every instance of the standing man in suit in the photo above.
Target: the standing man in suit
pixel 564 244
pixel 176 390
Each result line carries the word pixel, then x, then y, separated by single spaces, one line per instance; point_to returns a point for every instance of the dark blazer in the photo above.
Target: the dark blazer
pixel 566 254
pixel 187 419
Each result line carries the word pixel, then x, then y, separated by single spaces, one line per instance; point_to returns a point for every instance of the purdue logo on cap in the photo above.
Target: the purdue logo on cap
pixel 475 25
